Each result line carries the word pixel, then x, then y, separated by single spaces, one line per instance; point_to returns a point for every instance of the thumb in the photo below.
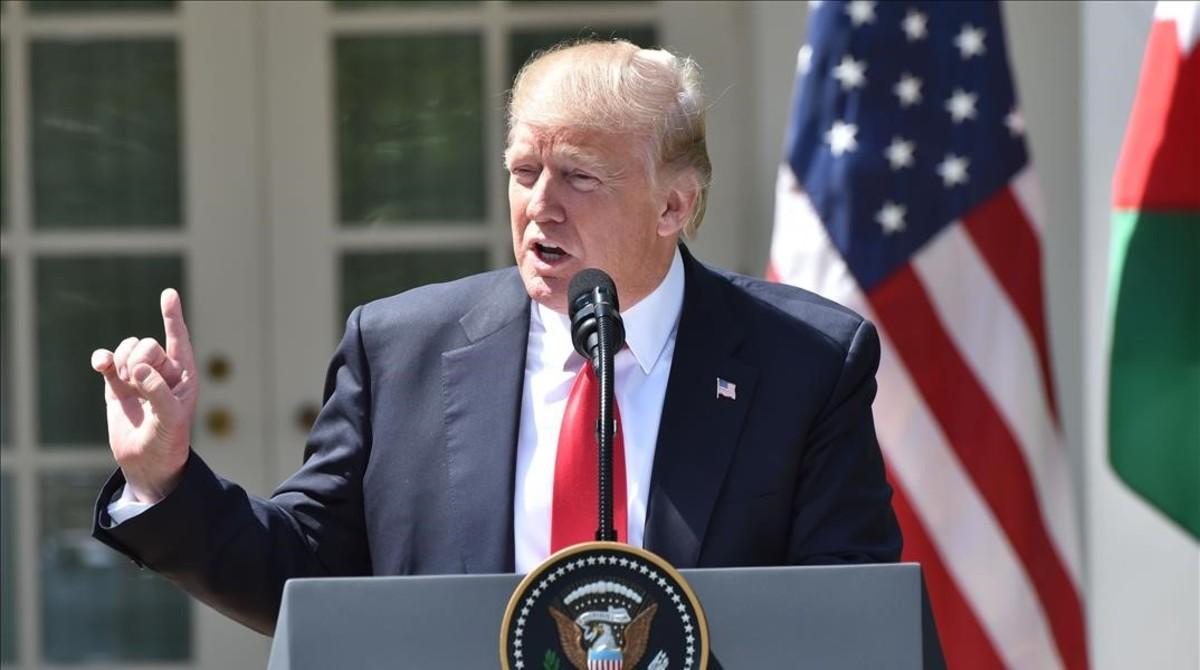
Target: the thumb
pixel 151 386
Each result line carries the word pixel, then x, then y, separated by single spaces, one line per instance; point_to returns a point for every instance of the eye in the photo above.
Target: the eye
pixel 524 174
pixel 583 181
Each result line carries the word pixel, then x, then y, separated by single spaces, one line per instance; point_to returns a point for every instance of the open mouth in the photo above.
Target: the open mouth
pixel 549 253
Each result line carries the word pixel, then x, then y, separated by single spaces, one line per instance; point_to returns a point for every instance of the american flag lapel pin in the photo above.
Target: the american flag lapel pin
pixel 726 389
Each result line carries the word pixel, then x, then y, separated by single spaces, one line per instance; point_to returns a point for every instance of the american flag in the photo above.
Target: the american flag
pixel 906 194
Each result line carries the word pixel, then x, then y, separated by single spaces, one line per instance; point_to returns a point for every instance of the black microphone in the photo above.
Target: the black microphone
pixel 593 308
pixel 597 333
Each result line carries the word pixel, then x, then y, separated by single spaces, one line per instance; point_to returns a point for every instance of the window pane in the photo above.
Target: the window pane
pixel 367 4
pixel 84 304
pixel 5 359
pixel 105 127
pixel 8 571
pixel 410 129
pixel 370 276
pixel 524 43
pixel 96 605
pixel 3 143
pixel 48 6
pixel 519 3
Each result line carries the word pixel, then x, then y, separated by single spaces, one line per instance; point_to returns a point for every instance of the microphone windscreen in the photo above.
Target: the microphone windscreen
pixel 582 285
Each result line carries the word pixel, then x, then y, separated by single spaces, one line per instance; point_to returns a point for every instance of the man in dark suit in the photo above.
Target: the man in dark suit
pixel 746 405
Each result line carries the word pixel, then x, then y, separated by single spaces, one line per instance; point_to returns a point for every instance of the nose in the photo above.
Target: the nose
pixel 543 204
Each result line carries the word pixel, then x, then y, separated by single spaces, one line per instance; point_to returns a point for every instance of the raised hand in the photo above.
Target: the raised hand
pixel 151 395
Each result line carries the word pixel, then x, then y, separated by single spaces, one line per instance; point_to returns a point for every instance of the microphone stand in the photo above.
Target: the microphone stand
pixel 605 425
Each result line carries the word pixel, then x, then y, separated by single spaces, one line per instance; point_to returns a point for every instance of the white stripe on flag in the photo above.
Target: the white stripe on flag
pixel 993 340
pixel 1028 193
pixel 801 257
pixel 973 547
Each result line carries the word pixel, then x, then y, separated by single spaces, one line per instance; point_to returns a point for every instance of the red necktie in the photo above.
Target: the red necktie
pixel 576 468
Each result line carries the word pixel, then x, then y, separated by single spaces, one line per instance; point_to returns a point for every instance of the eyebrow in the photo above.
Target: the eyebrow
pixel 572 153
pixel 585 159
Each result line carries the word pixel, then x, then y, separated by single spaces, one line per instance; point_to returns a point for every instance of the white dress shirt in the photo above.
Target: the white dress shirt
pixel 126 507
pixel 551 364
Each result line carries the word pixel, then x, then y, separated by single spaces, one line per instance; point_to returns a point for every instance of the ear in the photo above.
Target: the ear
pixel 678 204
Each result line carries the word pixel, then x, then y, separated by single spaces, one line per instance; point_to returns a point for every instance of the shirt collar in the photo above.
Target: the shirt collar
pixel 648 324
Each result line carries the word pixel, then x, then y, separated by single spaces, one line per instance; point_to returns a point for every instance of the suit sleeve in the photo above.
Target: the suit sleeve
pixel 843 511
pixel 233 550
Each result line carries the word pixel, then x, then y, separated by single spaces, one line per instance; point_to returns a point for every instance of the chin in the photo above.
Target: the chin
pixel 548 291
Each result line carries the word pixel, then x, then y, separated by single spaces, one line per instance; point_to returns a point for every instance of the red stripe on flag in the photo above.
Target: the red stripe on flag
pixel 1004 237
pixel 964 643
pixel 985 446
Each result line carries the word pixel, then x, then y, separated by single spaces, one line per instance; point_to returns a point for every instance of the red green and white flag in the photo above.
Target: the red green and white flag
pixel 1154 276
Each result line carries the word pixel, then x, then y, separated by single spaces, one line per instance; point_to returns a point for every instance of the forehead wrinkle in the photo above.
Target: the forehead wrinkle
pixel 560 146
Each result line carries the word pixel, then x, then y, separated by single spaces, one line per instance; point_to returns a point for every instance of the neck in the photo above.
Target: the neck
pixel 632 296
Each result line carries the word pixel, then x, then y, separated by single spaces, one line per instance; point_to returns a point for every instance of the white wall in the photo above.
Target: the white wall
pixel 779 29
pixel 715 34
pixel 1076 67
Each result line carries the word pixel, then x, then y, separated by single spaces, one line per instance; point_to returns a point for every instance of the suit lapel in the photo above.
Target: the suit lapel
pixel 481 384
pixel 699 430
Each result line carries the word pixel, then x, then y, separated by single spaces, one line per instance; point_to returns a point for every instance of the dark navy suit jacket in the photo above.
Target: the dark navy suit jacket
pixel 409 467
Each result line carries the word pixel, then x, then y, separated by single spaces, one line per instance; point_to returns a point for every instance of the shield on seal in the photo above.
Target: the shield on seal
pixel 604 606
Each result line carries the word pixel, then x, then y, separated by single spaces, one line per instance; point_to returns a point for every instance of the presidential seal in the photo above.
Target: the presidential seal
pixel 604 606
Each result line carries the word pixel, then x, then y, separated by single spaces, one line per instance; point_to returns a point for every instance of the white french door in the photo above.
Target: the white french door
pixel 279 162
pixel 131 163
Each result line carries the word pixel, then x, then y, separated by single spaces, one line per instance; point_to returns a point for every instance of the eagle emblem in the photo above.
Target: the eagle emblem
pixel 607 628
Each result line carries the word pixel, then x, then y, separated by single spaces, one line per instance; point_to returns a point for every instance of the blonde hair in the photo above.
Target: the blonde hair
pixel 617 86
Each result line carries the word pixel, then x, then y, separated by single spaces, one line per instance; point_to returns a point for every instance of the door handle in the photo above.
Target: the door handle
pixel 306 416
pixel 219 422
pixel 219 368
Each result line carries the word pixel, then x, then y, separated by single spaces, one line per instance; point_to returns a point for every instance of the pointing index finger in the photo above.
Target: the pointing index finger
pixel 179 344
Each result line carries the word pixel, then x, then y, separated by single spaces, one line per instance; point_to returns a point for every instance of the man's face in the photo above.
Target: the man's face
pixel 579 199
